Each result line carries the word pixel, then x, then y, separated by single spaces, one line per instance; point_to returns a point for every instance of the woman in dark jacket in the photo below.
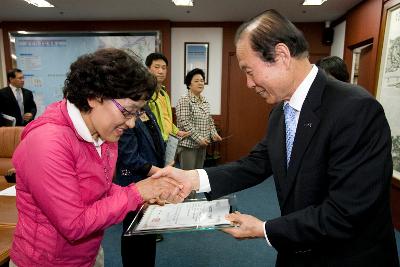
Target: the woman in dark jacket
pixel 141 152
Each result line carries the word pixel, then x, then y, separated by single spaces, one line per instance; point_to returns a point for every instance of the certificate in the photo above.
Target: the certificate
pixel 186 216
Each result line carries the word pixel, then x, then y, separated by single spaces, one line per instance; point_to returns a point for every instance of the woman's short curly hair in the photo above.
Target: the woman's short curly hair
pixel 190 74
pixel 107 74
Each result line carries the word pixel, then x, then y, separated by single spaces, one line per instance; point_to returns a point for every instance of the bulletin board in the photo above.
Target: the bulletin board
pixel 45 58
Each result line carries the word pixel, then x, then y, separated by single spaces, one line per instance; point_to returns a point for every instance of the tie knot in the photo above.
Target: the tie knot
pixel 289 110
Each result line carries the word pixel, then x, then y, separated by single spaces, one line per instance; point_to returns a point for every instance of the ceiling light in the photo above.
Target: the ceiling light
pixel 183 2
pixel 39 3
pixel 313 2
pixel 22 32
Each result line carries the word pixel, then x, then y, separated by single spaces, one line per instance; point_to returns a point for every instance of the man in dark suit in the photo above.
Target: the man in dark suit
pixel 328 147
pixel 17 101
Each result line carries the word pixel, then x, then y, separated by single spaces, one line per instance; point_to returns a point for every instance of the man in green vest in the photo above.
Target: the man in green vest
pixel 160 103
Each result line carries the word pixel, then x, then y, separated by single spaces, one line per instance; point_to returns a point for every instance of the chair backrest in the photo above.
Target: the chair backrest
pixel 8 120
pixel 9 140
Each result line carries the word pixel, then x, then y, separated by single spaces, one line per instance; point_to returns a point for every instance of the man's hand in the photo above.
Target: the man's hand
pixel 189 179
pixel 247 226
pixel 182 134
pixel 160 189
pixel 28 116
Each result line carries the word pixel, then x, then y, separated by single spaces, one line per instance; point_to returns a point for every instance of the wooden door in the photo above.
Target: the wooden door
pixel 247 114
pixel 364 67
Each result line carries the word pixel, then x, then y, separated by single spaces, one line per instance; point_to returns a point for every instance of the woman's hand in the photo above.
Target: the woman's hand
pixel 203 142
pixel 188 179
pixel 183 134
pixel 163 188
pixel 216 138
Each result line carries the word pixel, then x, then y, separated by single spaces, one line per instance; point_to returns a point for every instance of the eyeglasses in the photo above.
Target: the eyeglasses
pixel 128 115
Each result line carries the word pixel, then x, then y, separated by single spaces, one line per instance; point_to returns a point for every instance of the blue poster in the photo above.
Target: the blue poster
pixel 45 59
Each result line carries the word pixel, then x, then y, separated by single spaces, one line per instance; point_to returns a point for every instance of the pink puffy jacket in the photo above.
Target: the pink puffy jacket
pixel 65 194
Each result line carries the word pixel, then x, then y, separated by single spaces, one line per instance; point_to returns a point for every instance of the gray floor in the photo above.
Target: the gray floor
pixel 213 248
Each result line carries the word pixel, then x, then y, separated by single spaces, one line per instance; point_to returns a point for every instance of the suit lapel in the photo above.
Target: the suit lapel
pixel 24 96
pixel 12 96
pixel 306 128
pixel 277 147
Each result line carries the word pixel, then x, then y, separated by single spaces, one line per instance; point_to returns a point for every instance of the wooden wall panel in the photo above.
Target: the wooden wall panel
pixel 362 24
pixel 313 33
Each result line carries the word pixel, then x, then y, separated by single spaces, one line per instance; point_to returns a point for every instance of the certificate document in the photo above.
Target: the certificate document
pixel 187 214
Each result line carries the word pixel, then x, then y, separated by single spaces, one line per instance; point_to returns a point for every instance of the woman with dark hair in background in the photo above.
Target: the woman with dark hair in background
pixel 66 161
pixel 193 115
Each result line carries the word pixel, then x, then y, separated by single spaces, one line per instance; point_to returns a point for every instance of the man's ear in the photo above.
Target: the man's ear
pixel 282 53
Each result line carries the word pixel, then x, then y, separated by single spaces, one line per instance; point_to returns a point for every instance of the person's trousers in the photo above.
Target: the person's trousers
pixel 98 263
pixel 191 158
pixel 137 250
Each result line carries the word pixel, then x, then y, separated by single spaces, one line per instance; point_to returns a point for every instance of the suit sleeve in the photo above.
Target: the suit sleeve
pixel 359 172
pixel 244 173
pixel 30 106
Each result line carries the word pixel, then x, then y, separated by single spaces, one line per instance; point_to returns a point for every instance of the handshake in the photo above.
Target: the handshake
pixel 168 185
pixel 174 185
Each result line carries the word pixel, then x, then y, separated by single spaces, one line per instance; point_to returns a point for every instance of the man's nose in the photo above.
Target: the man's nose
pixel 250 83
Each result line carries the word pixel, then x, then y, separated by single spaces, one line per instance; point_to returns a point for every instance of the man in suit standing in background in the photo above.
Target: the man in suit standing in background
pixel 17 101
pixel 328 147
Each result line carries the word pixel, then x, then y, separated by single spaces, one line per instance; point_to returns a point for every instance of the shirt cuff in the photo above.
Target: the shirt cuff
pixel 204 183
pixel 265 235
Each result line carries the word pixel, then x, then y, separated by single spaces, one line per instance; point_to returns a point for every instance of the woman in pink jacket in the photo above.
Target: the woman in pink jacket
pixel 66 160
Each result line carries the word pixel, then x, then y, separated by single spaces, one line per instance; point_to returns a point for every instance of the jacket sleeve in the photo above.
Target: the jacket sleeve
pixel 30 104
pixel 183 116
pixel 239 175
pixel 50 175
pixel 129 153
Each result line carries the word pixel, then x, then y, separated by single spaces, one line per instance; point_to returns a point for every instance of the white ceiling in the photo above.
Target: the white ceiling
pixel 204 10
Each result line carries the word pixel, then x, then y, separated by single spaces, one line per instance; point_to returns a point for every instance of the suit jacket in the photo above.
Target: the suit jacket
pixel 137 149
pixel 9 105
pixel 334 197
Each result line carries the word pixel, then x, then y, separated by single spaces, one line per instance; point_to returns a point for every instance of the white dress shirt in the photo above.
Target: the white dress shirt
pixel 81 128
pixel 16 91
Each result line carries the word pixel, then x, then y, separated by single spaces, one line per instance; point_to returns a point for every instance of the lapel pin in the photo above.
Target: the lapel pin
pixel 309 124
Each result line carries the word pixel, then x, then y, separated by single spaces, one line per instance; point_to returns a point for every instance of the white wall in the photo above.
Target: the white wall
pixel 212 90
pixel 337 48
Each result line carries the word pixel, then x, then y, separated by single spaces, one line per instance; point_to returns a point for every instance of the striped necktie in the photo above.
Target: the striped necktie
pixel 20 101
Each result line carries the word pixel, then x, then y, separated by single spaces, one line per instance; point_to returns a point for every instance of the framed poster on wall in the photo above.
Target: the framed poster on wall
pixel 388 86
pixel 196 56
pixel 45 57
